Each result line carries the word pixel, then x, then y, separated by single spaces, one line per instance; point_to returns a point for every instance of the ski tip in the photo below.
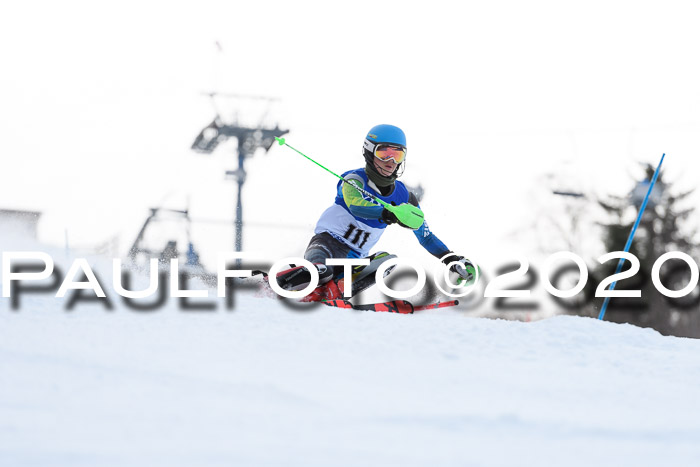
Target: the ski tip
pixel 280 140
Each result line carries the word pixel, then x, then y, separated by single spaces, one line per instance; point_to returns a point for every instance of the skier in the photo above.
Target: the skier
pixel 353 224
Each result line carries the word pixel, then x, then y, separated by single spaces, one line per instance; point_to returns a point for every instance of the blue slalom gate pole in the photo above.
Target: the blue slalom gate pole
pixel 601 315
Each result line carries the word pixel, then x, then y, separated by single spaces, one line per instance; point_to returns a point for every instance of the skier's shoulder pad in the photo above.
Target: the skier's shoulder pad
pixel 355 174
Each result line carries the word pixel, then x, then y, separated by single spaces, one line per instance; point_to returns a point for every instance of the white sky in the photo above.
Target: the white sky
pixel 99 104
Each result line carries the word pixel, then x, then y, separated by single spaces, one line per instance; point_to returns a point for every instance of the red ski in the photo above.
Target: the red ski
pixel 331 294
pixel 393 306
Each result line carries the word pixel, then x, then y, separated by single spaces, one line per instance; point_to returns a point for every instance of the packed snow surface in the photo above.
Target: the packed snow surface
pixel 265 384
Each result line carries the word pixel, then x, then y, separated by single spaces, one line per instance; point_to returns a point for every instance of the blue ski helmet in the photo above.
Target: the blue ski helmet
pixel 386 134
pixel 378 135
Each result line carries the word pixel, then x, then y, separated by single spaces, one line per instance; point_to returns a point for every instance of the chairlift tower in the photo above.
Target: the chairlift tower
pixel 250 139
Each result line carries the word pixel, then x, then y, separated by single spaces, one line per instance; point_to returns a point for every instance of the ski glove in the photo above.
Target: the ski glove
pixel 463 267
pixel 389 218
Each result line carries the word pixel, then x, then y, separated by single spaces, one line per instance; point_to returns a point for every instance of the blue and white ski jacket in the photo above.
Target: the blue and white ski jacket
pixel 355 220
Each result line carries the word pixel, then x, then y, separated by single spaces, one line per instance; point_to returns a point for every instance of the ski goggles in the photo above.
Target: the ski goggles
pixel 385 152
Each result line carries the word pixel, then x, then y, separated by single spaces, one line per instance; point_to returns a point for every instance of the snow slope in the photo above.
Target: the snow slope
pixel 267 385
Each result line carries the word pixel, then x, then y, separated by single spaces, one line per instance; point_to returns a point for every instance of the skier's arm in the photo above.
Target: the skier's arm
pixel 430 242
pixel 435 247
pixel 356 203
pixel 426 238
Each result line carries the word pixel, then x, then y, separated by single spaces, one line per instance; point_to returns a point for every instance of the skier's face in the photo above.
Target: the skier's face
pixel 385 168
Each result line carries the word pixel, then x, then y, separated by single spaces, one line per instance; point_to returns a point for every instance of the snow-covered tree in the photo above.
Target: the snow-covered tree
pixel 667 225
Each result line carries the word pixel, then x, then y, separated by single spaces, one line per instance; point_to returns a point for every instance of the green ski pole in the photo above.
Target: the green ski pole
pixel 408 214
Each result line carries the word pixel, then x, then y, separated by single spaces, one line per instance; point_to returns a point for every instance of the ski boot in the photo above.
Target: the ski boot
pixel 363 277
pixel 298 277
